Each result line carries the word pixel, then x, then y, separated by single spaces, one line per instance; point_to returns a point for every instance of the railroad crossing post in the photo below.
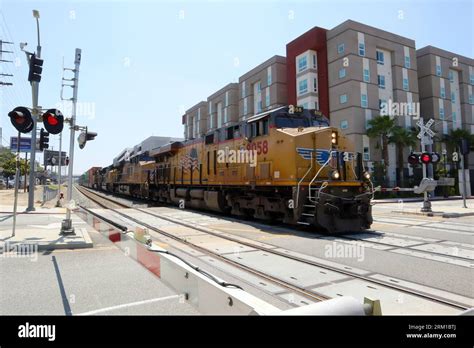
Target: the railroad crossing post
pixel 425 135
pixel 35 113
pixel 66 226
pixel 17 183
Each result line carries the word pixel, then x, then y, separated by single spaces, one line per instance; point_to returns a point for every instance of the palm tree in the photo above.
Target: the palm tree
pixel 381 127
pixel 454 138
pixel 402 138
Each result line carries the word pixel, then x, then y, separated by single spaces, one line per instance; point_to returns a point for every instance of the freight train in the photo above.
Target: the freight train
pixel 287 164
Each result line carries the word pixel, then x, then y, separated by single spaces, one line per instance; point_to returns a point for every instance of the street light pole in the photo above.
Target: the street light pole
pixel 66 226
pixel 35 113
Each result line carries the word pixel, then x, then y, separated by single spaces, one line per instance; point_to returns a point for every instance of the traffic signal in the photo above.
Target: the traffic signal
pixel 84 137
pixel 36 67
pixel 53 121
pixel 44 140
pixel 21 119
pixel 464 146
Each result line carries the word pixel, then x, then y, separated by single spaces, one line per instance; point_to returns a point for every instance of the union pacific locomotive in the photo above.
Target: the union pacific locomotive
pixel 287 164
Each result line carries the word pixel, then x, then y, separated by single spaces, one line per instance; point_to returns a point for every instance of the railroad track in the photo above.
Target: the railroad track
pixel 107 202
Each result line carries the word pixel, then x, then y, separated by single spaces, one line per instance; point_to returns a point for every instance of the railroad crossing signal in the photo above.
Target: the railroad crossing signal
pixel 36 68
pixel 423 158
pixel 53 121
pixel 425 133
pixel 44 140
pixel 21 119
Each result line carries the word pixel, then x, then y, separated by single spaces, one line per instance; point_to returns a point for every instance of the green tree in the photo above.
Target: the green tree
pixel 381 128
pixel 402 138
pixel 6 158
pixel 456 135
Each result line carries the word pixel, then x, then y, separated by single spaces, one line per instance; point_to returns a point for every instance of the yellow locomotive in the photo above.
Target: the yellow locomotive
pixel 287 164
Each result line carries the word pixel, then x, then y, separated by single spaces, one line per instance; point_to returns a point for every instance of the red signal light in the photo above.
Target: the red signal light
pixel 425 158
pixel 51 119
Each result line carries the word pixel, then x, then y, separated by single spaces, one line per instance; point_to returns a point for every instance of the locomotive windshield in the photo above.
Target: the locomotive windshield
pixel 291 122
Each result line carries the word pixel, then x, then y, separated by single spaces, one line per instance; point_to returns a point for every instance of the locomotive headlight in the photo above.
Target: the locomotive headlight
pixel 334 138
pixel 366 175
pixel 335 175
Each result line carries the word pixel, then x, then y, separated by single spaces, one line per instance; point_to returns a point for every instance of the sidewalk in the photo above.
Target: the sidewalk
pixel 446 208
pixel 39 229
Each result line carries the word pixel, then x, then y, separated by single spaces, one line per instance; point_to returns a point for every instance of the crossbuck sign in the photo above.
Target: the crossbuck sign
pixel 425 133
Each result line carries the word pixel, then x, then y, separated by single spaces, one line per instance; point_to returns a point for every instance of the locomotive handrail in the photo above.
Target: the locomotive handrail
pixel 299 183
pixel 319 171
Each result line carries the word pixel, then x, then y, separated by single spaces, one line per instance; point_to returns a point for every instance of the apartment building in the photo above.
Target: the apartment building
pixel 369 71
pixel 307 71
pixel 446 83
pixel 195 121
pixel 223 107
pixel 263 88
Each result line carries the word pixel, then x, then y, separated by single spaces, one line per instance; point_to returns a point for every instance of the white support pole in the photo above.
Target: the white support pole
pixel 66 227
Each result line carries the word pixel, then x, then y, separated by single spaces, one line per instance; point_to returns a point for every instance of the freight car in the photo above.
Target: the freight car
pixel 286 164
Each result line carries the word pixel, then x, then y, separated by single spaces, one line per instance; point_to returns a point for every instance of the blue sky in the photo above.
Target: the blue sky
pixel 145 62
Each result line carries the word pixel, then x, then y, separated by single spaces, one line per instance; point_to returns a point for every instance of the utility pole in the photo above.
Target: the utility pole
pixel 35 113
pixel 5 61
pixel 59 170
pixel 66 226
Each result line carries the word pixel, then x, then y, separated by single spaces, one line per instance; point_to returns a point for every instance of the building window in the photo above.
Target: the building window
pixel 407 62
pixel 380 57
pixel 363 100
pixel 453 97
pixel 344 124
pixel 245 106
pixel 454 117
pixel 269 76
pixel 445 127
pixel 305 105
pixel 340 48
pixel 381 81
pixel 243 89
pixel 451 76
pixel 303 87
pixel 471 99
pixel 441 113
pixel 471 79
pixel 366 153
pixel 316 105
pixel 405 84
pixel 225 115
pixel 443 92
pixel 267 99
pixel 227 98
pixel 438 70
pixel 343 98
pixel 366 75
pixel 259 106
pixel 342 73
pixel 302 64
pixel 259 87
pixel 362 49
pixel 315 62
pixel 315 85
pixel 219 115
